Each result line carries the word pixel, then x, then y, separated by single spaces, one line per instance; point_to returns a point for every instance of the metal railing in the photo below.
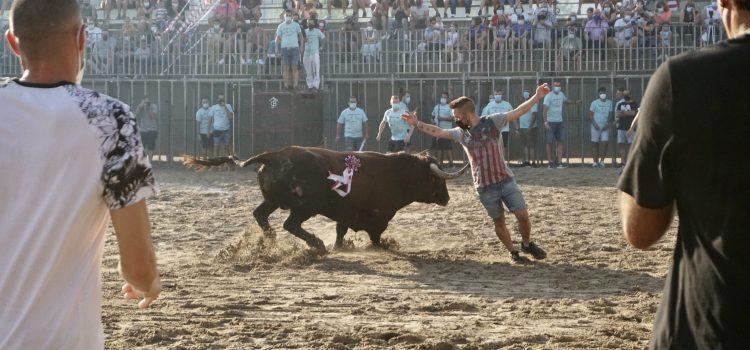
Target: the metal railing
pixel 400 53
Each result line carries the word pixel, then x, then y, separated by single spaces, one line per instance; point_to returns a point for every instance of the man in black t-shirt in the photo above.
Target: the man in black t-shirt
pixel 625 112
pixel 687 154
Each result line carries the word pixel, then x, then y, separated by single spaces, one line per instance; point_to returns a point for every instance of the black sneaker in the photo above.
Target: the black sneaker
pixel 517 258
pixel 536 251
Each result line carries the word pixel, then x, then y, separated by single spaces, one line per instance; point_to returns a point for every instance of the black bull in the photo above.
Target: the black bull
pixel 296 178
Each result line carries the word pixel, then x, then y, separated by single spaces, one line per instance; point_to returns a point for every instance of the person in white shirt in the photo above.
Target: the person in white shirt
pixel 353 121
pixel 86 164
pixel 442 116
pixel 497 105
pixel 400 130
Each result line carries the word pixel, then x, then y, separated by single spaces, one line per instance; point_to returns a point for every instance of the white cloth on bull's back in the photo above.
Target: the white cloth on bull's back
pixel 352 120
pixel 68 155
pixel 494 108
pixel 399 128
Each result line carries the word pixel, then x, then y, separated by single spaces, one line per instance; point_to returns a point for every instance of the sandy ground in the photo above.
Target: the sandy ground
pixel 445 282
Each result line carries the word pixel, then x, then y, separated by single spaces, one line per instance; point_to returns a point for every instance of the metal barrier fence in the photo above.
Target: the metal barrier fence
pixel 400 53
pixel 178 101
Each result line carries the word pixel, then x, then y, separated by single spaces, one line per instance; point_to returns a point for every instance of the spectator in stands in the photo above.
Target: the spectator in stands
pixel 674 5
pixel 589 15
pixel 380 15
pixel 569 51
pixel 477 35
pixel 256 42
pixel 225 12
pixel 222 115
pixel 451 43
pixel 234 45
pixel 432 35
pixel 400 131
pixel 401 12
pixel 647 33
pixel 624 32
pixel 146 8
pixel 370 43
pixel 339 4
pixel 711 19
pixel 519 14
pixel 625 112
pixel 502 35
pixel 354 122
pixel 467 7
pixel 128 29
pixel 527 131
pixel 147 115
pixel 600 117
pixel 498 13
pixel 571 20
pixel 688 18
pixel 360 5
pixel 663 14
pixel 664 42
pixel 521 35
pixel 160 15
pixel 497 105
pixel 484 7
pixel 543 30
pixel 214 40
pixel 203 118
pixel 418 15
pixel 437 4
pixel 609 13
pixel 288 42
pixel 313 43
pixel 443 117
pixel 596 31
pixel 552 115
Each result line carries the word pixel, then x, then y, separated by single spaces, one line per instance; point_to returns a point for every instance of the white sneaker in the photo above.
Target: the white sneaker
pixel 453 15
pixel 561 166
pixel 595 165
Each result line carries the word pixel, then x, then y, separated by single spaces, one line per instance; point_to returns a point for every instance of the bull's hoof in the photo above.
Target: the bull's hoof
pixel 270 234
pixel 318 246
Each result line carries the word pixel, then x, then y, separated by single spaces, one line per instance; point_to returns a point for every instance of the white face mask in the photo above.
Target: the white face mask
pixel 603 96
pixel 519 11
pixel 352 105
pixel 498 98
pixel 287 19
pixel 526 94
pixel 205 105
pixel 369 28
pixel 407 99
pixel 556 88
pixel 499 12
pixel 689 9
pixel 395 106
pixel 443 101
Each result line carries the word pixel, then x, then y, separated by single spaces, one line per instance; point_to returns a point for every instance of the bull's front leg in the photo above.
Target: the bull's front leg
pixel 293 224
pixel 341 230
pixel 261 214
pixel 375 232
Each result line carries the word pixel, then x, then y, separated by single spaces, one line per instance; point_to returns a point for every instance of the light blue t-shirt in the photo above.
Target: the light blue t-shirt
pixel 289 34
pixel 203 117
pixel 399 128
pixel 555 101
pixel 601 110
pixel 495 108
pixel 221 117
pixel 442 110
pixel 312 45
pixel 352 120
pixel 524 122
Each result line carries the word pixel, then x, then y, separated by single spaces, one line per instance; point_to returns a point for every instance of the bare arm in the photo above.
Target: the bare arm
pixel 366 129
pixel 381 127
pixel 338 130
pixel 522 109
pixel 137 258
pixel 432 130
pixel 643 226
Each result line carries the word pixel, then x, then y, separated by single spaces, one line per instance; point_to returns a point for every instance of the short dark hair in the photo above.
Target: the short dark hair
pixel 40 24
pixel 444 93
pixel 602 89
pixel 462 103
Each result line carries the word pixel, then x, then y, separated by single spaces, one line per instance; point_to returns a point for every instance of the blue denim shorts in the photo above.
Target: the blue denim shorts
pixel 493 197
pixel 289 56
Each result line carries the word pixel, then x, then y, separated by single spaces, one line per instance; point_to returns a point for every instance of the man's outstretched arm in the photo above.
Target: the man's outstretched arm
pixel 137 258
pixel 429 129
pixel 523 108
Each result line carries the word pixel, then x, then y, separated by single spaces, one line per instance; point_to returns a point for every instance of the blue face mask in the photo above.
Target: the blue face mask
pixel 498 98
pixel 526 95
pixel 556 89
pixel 395 106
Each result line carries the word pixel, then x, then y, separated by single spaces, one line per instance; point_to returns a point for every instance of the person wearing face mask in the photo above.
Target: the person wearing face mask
pixel 498 105
pixel 418 15
pixel 689 16
pixel 518 15
pixel 147 115
pixel 663 14
pixel 493 179
pixel 353 121
pixel 499 14
pixel 552 115
pixel 288 42
pixel 596 32
pixel 521 34
pixel 204 119
pixel 400 130
pixel 222 115
pixel 688 156
pixel 71 160
pixel 600 117
pixel 625 112
pixel 370 43
pixel 527 131
pixel 443 118
pixel 624 33
pixel 313 43
pixel 405 100
pixel 570 51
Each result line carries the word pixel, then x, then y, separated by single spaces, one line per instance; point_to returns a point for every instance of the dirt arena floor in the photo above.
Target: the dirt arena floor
pixel 445 282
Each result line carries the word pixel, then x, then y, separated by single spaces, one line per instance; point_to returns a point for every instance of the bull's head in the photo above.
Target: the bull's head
pixel 436 190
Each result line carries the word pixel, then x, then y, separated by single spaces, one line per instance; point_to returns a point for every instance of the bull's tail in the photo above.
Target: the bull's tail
pixel 190 161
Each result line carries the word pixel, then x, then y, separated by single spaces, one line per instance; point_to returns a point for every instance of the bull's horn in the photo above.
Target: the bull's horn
pixel 448 176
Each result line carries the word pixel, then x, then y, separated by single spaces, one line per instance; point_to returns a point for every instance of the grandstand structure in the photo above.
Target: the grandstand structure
pixel 183 58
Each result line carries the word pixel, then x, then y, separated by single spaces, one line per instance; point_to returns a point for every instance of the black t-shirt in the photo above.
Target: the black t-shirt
pixel 623 123
pixel 691 148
